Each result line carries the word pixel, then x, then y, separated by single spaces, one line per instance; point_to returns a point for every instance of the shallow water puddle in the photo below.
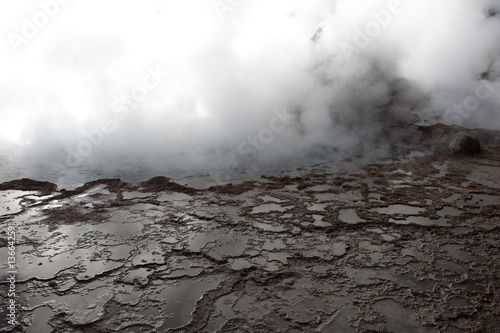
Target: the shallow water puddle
pixel 268 227
pixel 136 195
pixel 172 197
pixel 317 207
pixel 44 268
pixel 266 208
pixel 10 201
pixel 421 220
pixel 398 209
pixel 318 222
pixel 325 251
pixel 399 318
pixel 239 264
pixel 486 176
pixel 455 251
pixel 268 198
pixel 452 197
pixel 151 253
pixel 350 216
pixel 178 300
pixel 138 276
pixel 449 211
pixel 40 320
pixel 479 199
pixel 319 188
pixel 232 249
pixel 81 308
pixel 345 197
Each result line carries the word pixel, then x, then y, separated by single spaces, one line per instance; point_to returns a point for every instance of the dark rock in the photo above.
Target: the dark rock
pixel 164 184
pixel 464 143
pixel 26 184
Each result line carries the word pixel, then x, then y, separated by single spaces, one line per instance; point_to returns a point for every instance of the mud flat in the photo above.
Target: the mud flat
pixel 405 247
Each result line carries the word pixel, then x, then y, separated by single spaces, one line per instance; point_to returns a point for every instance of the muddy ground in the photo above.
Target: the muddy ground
pixel 405 247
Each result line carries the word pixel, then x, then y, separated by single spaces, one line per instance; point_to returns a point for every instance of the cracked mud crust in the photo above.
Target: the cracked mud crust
pixel 408 247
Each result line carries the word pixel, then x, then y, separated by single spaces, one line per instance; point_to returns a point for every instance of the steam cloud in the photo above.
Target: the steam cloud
pixel 202 86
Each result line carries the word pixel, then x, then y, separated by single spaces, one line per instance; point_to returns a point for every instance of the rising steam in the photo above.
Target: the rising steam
pixel 202 86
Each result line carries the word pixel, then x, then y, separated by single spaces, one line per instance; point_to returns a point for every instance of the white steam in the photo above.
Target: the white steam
pixel 220 86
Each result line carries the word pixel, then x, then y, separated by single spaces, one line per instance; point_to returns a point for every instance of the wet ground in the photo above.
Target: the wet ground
pixel 408 247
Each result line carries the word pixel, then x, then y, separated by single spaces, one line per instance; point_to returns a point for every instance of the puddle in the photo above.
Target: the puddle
pixel 341 322
pixel 135 195
pixel 408 280
pixel 483 200
pixel 455 251
pixel 120 231
pixel 238 264
pixel 458 302
pixel 268 198
pixel 421 220
pixel 461 230
pixel 94 268
pixel 266 208
pixel 318 221
pixel 138 276
pixel 448 265
pixel 121 252
pixel 326 251
pixel 142 207
pixel 271 245
pixel 40 320
pixel 152 253
pixel 449 211
pixel 179 300
pixel 281 257
pixel 399 318
pixel 399 209
pixel 319 188
pixel 223 311
pixel 10 201
pixel 389 238
pixel 350 216
pixel 80 310
pixel 317 207
pixel 362 276
pixel 174 197
pixel 44 268
pixel 486 176
pixel 125 294
pixel 197 241
pixel 452 197
pixel 177 273
pixel 345 197
pixel 228 250
pixel 443 170
pixel 268 227
pixel 374 197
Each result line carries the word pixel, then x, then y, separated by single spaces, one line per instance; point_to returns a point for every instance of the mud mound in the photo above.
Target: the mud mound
pixel 26 184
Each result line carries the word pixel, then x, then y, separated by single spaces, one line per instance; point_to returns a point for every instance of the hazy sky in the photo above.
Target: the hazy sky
pixel 200 84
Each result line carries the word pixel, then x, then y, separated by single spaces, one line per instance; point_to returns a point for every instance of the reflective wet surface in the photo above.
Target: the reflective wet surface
pixel 409 248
